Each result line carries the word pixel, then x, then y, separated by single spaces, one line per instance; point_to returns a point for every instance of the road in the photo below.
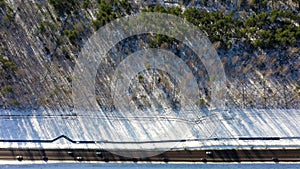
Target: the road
pixel 280 155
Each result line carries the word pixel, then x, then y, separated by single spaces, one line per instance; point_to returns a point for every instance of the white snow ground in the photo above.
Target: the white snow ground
pixel 218 130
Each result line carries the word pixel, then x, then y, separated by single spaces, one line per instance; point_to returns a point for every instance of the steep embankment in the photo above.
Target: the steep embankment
pixel 40 41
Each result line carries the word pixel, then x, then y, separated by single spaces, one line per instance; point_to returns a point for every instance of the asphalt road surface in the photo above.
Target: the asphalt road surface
pixel 280 155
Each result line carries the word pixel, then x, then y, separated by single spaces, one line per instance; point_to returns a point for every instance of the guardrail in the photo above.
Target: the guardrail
pixel 143 142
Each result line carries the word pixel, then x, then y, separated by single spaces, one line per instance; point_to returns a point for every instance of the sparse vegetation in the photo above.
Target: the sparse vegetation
pixel 257 41
pixel 86 4
pixel 46 25
pixel 64 6
pixel 201 102
pixel 140 77
pixel 15 102
pixel 2 4
pixel 73 35
pixel 107 12
pixel 7 64
pixel 6 89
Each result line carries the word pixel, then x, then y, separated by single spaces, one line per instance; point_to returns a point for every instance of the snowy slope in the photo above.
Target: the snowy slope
pixel 218 130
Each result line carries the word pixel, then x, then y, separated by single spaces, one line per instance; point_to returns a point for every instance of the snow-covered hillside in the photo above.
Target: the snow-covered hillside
pixel 226 129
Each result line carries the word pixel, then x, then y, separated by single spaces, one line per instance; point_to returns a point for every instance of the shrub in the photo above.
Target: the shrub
pixel 7 89
pixel 15 102
pixel 8 64
pixel 73 35
pixel 105 14
pixel 46 25
pixel 140 77
pixel 64 6
pixel 7 19
pixel 86 4
pixel 201 102
pixel 2 3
